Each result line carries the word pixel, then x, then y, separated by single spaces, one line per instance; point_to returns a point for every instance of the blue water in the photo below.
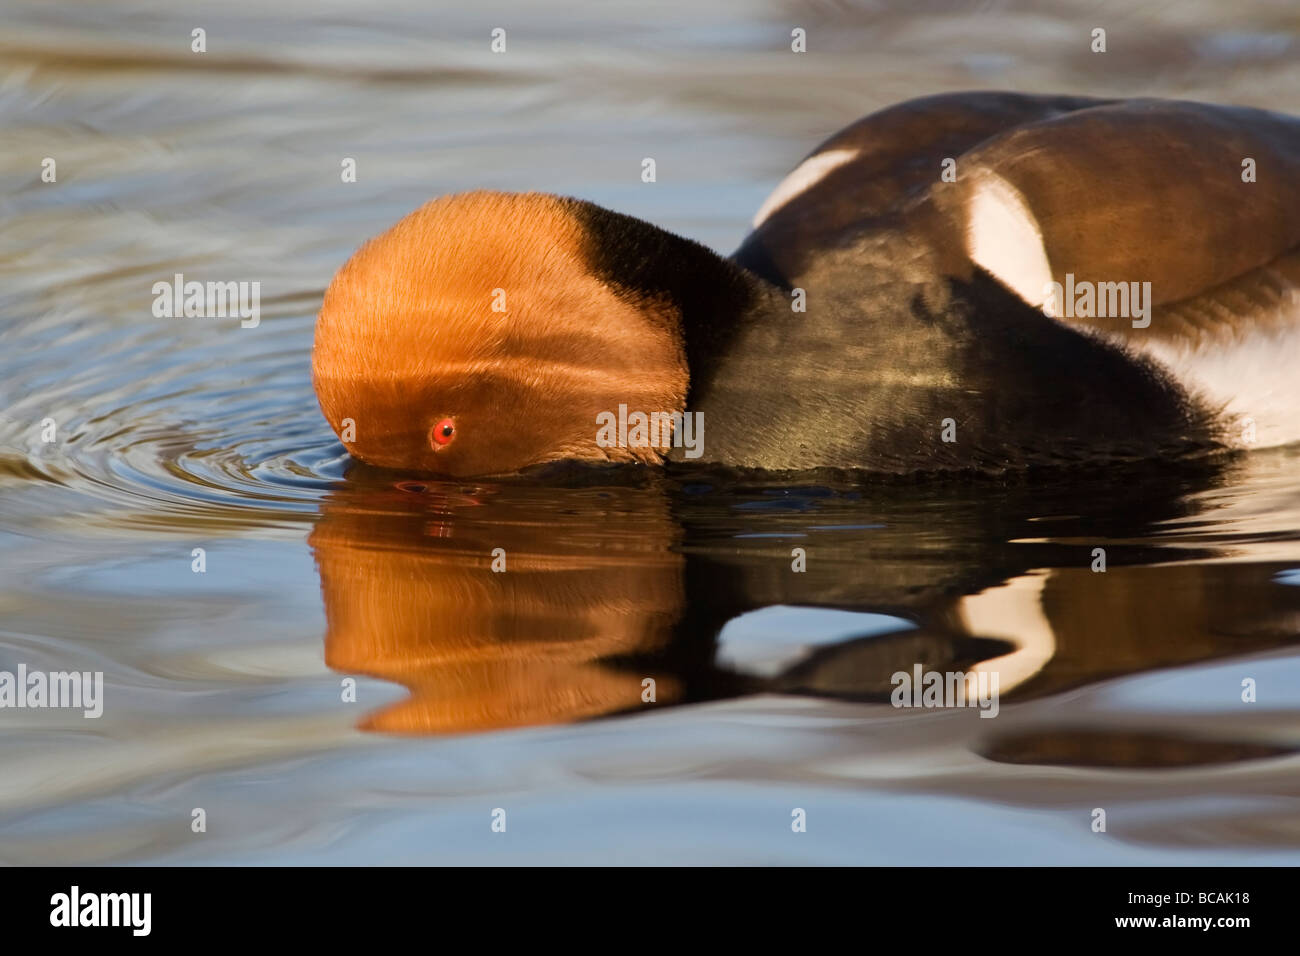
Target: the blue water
pixel 227 690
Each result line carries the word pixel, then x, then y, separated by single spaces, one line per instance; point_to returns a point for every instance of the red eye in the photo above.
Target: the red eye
pixel 443 432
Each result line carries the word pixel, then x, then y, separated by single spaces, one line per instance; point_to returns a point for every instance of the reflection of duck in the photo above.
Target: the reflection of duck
pixel 999 584
pixel 487 332
pixel 607 586
pixel 410 596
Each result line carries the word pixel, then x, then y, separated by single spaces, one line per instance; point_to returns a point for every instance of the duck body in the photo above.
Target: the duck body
pixel 905 303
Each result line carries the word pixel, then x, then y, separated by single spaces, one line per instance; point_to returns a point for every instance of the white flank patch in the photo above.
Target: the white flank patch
pixel 1003 237
pixel 1254 378
pixel 806 175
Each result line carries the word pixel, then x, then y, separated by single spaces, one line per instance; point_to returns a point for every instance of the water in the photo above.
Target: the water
pixel 523 691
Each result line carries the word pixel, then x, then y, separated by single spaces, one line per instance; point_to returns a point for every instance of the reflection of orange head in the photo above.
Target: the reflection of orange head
pixel 474 338
pixel 412 597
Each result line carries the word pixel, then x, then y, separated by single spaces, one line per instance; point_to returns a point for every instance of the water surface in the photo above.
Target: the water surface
pixel 524 690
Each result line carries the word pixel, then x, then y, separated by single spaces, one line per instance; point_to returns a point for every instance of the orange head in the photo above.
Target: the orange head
pixel 475 337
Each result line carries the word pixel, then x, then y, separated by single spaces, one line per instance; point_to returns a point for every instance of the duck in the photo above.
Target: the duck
pixel 976 282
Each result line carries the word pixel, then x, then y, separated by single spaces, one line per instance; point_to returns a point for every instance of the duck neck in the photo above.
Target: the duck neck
pixel 710 299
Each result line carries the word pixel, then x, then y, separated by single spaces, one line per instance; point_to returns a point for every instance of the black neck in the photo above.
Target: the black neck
pixel 714 297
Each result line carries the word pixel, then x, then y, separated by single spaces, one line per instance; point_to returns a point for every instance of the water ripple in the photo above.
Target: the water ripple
pixel 177 418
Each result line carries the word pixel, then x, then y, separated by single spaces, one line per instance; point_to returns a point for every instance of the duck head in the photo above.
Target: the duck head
pixel 486 331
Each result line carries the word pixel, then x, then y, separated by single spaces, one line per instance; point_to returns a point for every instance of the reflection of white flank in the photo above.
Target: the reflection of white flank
pixel 804 176
pixel 1014 612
